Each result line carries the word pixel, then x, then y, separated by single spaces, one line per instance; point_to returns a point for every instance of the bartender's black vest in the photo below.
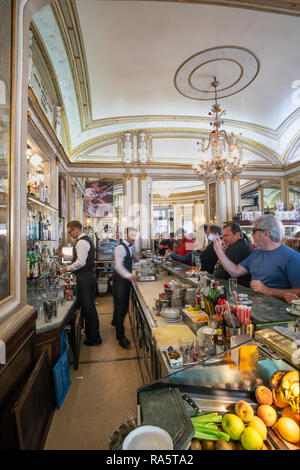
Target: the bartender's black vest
pixel 127 263
pixel 88 268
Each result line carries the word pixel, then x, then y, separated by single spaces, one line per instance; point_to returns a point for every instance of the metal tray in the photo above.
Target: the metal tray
pixel 148 278
pixel 194 326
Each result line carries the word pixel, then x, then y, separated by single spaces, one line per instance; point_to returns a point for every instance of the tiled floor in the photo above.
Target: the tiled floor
pixel 102 394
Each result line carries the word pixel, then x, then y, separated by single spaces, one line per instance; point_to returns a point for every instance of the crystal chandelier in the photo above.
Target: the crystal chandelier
pixel 226 150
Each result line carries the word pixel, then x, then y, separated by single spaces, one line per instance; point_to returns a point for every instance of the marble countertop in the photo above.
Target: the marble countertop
pixel 62 311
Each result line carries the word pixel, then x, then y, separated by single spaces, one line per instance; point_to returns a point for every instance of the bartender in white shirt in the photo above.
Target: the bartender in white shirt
pixel 83 268
pixel 124 258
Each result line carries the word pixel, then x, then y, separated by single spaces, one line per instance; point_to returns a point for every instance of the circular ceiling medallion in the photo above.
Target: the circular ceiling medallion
pixel 234 67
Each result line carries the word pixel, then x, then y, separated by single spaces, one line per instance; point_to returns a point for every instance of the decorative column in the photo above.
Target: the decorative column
pixel 127 200
pixel 235 196
pixel 221 203
pixel 260 191
pixel 30 61
pixel 145 211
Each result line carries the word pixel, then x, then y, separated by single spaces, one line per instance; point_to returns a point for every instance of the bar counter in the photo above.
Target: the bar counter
pixel 264 309
pixel 153 334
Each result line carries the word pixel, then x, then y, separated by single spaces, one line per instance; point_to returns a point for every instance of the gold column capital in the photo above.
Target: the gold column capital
pixel 128 176
pixel 143 176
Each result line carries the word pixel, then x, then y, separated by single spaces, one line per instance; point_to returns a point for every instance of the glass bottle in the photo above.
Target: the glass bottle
pixel 46 193
pixel 220 347
pixel 41 227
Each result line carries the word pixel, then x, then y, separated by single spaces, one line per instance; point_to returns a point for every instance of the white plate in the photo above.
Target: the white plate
pixel 293 312
pixel 148 438
pixel 171 320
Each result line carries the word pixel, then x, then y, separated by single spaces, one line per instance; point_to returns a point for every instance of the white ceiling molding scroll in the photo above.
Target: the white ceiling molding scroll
pixel 283 7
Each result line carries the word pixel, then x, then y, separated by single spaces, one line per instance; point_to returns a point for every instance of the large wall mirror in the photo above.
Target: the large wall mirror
pixel 294 193
pixel 249 195
pixel 6 7
pixel 271 194
pixel 261 195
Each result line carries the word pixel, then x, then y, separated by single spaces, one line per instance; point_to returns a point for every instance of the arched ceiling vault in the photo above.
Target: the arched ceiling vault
pixel 93 47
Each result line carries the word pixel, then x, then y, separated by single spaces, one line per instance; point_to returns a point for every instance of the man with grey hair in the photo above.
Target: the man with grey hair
pixel 274 268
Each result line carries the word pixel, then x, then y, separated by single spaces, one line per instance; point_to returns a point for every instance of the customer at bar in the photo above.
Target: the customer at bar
pixel 274 268
pixel 208 256
pixel 237 249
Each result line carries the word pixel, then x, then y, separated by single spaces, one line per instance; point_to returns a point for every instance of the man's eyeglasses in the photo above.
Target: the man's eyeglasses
pixel 70 231
pixel 257 230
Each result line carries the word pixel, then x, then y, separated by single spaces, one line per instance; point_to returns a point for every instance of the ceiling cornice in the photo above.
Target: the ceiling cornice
pixel 283 7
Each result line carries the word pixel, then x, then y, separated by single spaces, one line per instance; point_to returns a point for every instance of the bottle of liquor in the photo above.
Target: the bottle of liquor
pixel 28 262
pixel 34 265
pixel 35 226
pixel 49 230
pixel 45 226
pixel 46 192
pixel 41 227
pixel 42 191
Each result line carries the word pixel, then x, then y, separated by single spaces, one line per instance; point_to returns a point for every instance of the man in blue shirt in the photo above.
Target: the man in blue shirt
pixel 274 268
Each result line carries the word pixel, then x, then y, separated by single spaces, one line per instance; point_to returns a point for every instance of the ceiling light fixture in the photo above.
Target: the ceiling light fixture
pixel 226 150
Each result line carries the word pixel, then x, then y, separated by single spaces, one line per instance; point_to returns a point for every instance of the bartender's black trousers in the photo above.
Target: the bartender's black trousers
pixel 121 292
pixel 86 299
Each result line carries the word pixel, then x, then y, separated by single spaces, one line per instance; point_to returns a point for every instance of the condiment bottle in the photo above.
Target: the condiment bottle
pixel 220 348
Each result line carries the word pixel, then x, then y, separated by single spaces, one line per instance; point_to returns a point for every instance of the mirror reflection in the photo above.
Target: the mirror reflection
pixel 5 144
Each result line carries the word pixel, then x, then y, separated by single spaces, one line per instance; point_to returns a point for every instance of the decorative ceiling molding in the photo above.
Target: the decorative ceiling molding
pixel 65 13
pixel 52 74
pixel 240 58
pixel 283 7
pixel 250 144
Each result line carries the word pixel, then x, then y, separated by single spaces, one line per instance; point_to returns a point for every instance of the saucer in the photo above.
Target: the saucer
pixel 293 312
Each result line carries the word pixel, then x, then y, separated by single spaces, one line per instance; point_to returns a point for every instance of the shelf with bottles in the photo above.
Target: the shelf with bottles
pixel 41 225
pixel 34 200
pixel 40 262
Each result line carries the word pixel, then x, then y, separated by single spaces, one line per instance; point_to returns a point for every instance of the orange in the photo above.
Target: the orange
pixel 279 402
pixel 289 430
pixel 288 413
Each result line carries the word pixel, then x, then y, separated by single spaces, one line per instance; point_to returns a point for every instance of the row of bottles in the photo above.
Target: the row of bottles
pixel 38 262
pixel 38 226
pixel 37 188
pixel 208 293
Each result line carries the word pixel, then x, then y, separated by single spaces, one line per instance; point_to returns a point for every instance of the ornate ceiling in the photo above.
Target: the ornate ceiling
pixel 116 64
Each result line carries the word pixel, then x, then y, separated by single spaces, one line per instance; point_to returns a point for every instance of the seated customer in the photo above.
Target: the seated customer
pixel 237 249
pixel 187 244
pixel 274 268
pixel 164 244
pixel 208 257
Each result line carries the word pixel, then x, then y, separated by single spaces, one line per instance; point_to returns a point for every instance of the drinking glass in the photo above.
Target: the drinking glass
pixel 232 287
pixel 186 347
pixel 48 307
